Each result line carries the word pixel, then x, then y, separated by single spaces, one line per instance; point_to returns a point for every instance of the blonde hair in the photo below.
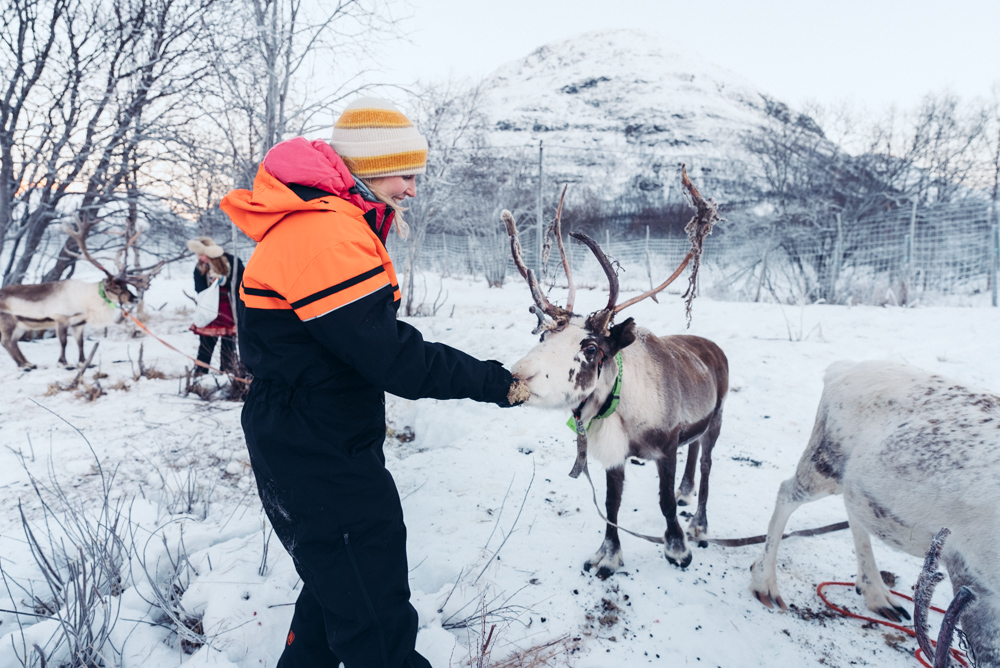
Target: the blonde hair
pixel 402 228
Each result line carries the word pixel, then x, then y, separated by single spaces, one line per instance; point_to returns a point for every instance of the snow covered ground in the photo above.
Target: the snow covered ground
pixel 488 502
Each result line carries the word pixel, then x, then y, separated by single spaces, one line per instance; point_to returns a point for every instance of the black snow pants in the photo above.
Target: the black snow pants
pixel 317 457
pixel 206 346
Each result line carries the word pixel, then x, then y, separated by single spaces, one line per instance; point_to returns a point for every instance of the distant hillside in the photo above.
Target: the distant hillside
pixel 624 108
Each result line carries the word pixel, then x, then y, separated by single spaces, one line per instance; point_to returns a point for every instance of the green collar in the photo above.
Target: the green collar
pixel 100 289
pixel 611 403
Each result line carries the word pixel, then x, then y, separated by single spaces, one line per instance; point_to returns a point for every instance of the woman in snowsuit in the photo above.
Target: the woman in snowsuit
pixel 319 333
pixel 214 264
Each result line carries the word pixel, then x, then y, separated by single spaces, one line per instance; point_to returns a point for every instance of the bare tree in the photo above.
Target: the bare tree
pixel 942 147
pixel 97 91
pixel 450 116
pixel 278 73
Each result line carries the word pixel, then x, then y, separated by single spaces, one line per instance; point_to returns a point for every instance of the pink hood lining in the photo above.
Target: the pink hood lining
pixel 315 164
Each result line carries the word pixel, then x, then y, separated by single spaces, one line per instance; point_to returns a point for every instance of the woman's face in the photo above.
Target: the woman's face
pixel 396 187
pixel 204 258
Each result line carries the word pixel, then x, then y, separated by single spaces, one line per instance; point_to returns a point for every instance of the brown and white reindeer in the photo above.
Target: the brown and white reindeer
pixel 68 305
pixel 911 452
pixel 667 392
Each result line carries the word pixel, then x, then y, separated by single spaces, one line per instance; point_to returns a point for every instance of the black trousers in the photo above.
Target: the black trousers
pixel 322 480
pixel 206 346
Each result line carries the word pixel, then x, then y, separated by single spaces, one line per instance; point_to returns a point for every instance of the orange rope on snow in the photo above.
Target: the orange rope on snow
pixel 196 361
pixel 908 630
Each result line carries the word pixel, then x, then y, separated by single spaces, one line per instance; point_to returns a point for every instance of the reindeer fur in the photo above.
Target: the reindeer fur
pixel 911 452
pixel 672 395
pixel 65 306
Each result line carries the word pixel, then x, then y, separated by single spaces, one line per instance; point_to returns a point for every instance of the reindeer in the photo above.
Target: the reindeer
pixel 911 452
pixel 66 305
pixel 670 394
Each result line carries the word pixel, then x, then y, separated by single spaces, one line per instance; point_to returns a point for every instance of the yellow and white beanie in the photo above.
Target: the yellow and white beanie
pixel 375 139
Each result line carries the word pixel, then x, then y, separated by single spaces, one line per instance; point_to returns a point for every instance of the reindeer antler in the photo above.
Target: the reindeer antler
pixel 556 230
pixel 605 265
pixel 699 227
pixel 78 231
pixel 930 578
pixel 559 315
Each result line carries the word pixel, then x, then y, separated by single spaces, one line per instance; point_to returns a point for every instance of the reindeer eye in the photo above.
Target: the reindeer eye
pixel 590 350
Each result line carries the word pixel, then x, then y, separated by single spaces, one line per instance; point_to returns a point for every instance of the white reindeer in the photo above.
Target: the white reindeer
pixel 911 452
pixel 670 394
pixel 66 306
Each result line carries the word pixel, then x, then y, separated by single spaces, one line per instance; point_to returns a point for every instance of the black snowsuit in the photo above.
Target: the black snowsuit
pixel 318 331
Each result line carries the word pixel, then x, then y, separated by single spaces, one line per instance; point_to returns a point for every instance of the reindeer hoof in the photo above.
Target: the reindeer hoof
pixel 768 601
pixel 894 613
pixel 603 573
pixel 681 562
pixel 604 570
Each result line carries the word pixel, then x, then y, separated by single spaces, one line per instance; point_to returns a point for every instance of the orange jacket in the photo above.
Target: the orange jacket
pixel 319 295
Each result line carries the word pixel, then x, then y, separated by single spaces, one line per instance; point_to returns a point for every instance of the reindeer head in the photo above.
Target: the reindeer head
pixel 117 292
pixel 566 366
pixel 115 286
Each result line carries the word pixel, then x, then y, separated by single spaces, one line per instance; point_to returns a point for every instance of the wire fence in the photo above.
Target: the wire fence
pixel 943 254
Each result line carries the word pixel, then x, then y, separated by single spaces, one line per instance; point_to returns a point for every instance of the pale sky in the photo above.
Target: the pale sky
pixel 874 53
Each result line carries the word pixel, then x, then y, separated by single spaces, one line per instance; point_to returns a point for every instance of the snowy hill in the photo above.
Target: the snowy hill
pixel 629 99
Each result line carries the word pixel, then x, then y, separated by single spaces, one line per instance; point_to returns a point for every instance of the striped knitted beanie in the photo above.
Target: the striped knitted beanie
pixel 375 139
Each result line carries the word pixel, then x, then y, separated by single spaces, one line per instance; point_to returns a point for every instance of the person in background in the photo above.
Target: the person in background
pixel 318 331
pixel 216 264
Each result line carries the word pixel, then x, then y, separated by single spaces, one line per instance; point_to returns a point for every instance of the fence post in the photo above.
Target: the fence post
pixel 838 252
pixel 569 256
pixel 996 258
pixel 472 255
pixel 649 261
pixel 444 250
pixel 541 232
pixel 911 248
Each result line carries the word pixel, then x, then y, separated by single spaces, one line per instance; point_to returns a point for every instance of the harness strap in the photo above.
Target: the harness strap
pixel 100 291
pixel 610 404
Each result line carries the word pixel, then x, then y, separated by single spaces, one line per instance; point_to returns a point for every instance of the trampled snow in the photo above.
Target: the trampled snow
pixel 491 512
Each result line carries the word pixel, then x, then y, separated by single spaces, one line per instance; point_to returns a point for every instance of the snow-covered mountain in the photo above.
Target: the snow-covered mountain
pixel 630 103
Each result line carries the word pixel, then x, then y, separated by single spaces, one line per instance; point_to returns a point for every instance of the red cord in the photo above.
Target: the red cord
pixel 956 654
pixel 196 361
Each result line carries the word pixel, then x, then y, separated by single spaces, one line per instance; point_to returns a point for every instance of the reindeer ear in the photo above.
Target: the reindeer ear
pixel 622 335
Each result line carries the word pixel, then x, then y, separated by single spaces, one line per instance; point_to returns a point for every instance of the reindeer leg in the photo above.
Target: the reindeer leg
pixel 10 334
pixel 674 547
pixel 608 557
pixel 78 335
pixel 698 527
pixel 61 328
pixel 869 583
pixel 797 490
pixel 684 492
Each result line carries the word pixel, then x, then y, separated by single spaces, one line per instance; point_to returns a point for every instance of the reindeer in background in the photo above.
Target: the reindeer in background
pixel 68 305
pixel 641 395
